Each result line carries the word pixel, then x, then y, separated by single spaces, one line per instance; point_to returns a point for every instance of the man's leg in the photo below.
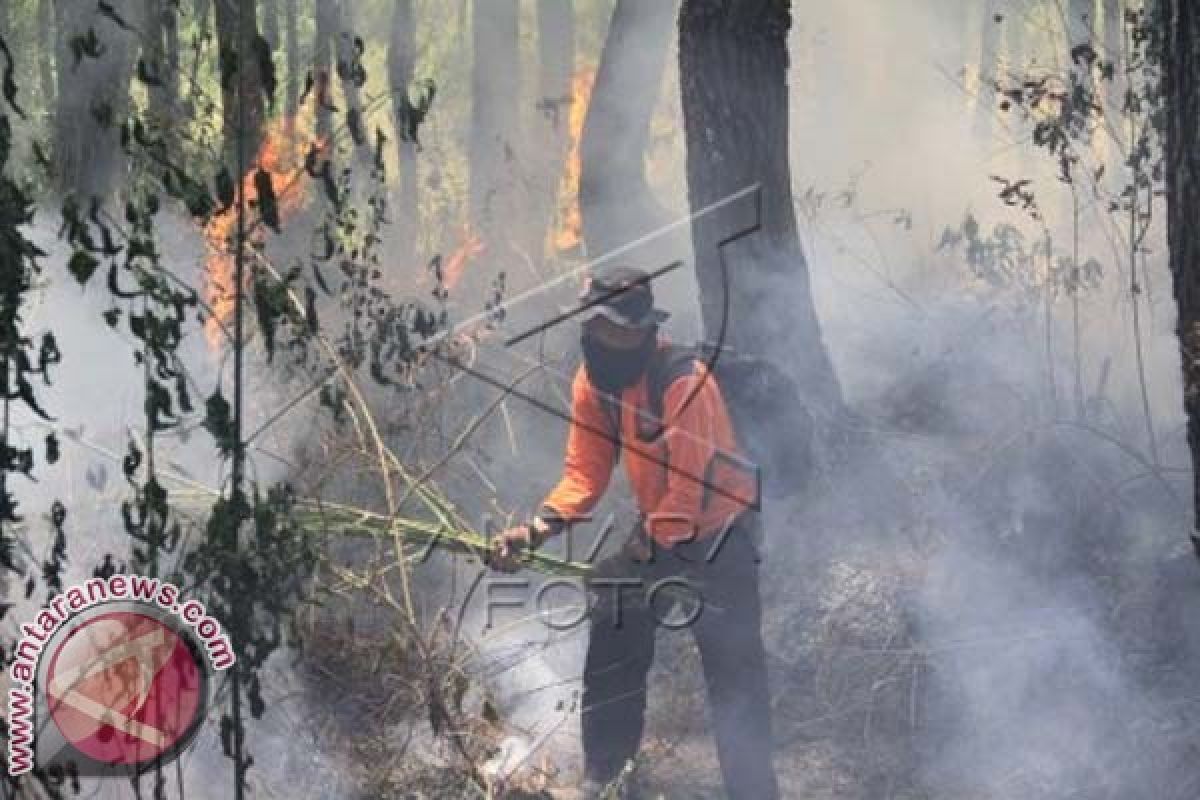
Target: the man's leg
pixel 729 636
pixel 619 654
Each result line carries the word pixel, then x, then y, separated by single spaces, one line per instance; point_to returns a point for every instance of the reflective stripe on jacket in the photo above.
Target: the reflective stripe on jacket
pixel 689 481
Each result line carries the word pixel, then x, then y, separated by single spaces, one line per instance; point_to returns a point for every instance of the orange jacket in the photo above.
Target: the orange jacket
pixel 689 482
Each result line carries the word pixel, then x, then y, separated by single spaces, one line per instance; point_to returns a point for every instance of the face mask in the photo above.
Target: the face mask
pixel 610 369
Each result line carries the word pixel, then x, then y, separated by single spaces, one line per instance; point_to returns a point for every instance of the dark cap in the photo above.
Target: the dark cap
pixel 621 295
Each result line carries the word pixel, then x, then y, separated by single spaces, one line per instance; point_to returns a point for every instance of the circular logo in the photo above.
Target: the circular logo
pixel 125 688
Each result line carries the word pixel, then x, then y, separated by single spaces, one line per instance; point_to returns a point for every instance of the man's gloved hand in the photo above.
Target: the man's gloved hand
pixel 509 547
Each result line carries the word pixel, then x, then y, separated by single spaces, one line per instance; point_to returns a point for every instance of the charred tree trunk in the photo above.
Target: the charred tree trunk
pixel 614 198
pixel 733 61
pixel 93 98
pixel 402 56
pixel 494 122
pixel 243 107
pixel 294 78
pixel 1181 74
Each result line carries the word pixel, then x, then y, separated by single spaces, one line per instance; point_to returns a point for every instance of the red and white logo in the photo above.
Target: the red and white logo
pixel 124 688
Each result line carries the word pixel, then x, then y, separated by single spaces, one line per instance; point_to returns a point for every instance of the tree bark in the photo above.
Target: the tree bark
pixel 495 92
pixel 615 200
pixel 322 95
pixel 346 60
pixel 47 63
pixel 1181 75
pixel 985 107
pixel 93 98
pixel 1081 22
pixel 1114 44
pixel 174 60
pixel 161 97
pixel 733 61
pixel 402 57
pixel 1015 31
pixel 294 79
pixel 550 124
pixel 243 106
pixel 270 23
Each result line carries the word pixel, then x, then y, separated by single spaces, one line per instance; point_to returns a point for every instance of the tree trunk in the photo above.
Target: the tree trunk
pixel 93 98
pixel 242 91
pixel 347 59
pixel 47 63
pixel 322 95
pixel 550 125
pixel 614 198
pixel 733 61
pixel 1181 74
pixel 201 13
pixel 401 65
pixel 161 97
pixel 1114 43
pixel 294 79
pixel 1081 21
pixel 174 62
pixel 270 23
pixel 989 62
pixel 1015 32
pixel 493 143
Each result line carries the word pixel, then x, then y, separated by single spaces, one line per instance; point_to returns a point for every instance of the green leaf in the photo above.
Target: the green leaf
pixel 86 45
pixel 218 421
pixel 107 10
pixel 148 75
pixel 10 83
pixel 82 266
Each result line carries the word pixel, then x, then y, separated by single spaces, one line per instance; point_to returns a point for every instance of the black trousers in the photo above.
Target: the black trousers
pixel 709 587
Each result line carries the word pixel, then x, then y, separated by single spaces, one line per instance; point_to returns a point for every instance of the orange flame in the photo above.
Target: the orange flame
pixel 570 230
pixel 281 156
pixel 456 263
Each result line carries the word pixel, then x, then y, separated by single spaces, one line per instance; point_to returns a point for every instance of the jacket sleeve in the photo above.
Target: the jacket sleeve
pixel 589 460
pixel 690 407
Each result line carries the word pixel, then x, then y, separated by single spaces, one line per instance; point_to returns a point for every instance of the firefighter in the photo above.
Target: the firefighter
pixel 691 560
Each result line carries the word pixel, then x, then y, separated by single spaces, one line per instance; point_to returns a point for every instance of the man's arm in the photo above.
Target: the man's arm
pixel 588 462
pixel 587 467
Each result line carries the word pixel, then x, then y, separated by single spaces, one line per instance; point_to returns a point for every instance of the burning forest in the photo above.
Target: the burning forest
pixel 582 399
